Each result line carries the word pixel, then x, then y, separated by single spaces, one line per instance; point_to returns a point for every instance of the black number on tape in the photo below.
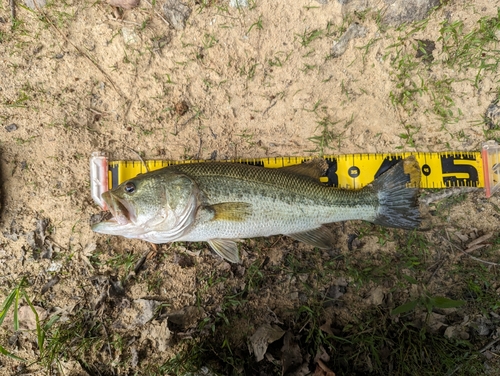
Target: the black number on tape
pixel 353 171
pixel 114 175
pixel 426 170
pixel 387 163
pixel 449 166
pixel 331 173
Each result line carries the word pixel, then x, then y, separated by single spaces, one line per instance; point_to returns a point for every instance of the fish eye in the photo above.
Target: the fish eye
pixel 129 187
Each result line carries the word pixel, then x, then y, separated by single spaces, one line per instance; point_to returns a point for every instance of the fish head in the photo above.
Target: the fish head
pixel 162 201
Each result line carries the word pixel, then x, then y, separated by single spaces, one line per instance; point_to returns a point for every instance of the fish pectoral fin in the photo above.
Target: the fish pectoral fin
pixel 225 248
pixel 231 211
pixel 314 168
pixel 320 237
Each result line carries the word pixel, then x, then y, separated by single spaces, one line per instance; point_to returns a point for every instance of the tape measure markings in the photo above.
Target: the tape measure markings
pixel 353 171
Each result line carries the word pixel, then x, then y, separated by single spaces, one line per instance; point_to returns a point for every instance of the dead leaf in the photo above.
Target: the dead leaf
pixel 26 318
pixel 456 331
pixel 478 243
pixel 53 281
pixel 145 310
pixel 186 317
pixel 327 327
pixel 262 337
pixel 292 356
pixel 376 296
pixel 481 239
pixel 323 370
pixel 322 355
pixel 158 333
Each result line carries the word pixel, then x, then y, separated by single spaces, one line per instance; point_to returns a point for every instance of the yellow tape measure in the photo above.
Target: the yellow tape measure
pixel 353 171
pixel 350 171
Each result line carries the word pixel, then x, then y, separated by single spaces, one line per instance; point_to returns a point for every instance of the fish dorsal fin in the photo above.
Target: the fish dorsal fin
pixel 320 237
pixel 225 248
pixel 231 211
pixel 315 168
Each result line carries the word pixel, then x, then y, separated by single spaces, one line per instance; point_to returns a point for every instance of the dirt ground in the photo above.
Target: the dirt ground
pixel 254 81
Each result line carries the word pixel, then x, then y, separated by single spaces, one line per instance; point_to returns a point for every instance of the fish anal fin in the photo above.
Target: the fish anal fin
pixel 231 211
pixel 314 168
pixel 225 248
pixel 320 237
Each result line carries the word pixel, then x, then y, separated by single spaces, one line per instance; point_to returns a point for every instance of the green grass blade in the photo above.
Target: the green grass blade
pixel 404 308
pixel 6 305
pixel 40 334
pixel 16 310
pixel 442 302
pixel 10 355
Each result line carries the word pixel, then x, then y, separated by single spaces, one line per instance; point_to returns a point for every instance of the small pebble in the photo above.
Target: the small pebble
pixel 404 11
pixel 353 31
pixel 129 35
pixel 35 4
pixel 125 4
pixel 238 3
pixel 11 127
pixel 176 13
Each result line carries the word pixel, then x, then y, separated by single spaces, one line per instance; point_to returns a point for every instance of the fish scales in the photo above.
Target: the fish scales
pixel 281 202
pixel 221 202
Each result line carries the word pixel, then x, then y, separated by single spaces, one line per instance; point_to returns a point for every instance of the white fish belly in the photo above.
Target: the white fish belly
pixel 268 220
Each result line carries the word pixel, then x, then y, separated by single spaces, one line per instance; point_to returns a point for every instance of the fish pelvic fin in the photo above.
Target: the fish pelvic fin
pixel 231 211
pixel 320 237
pixel 225 248
pixel 398 204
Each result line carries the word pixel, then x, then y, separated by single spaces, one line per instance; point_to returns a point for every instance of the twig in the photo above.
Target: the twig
pixel 181 127
pixel 270 106
pixel 472 257
pixel 139 264
pixel 157 13
pixel 447 193
pixel 479 240
pixel 12 4
pixel 93 110
pixel 485 348
pixel 438 266
pixel 483 261
pixel 489 345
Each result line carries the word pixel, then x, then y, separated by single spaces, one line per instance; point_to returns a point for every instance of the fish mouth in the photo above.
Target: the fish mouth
pixel 123 213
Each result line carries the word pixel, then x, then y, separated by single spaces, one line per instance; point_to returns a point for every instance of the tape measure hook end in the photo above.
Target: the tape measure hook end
pixel 490 154
pixel 99 177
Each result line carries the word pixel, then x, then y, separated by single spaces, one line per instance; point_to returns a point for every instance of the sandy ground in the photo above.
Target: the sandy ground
pixel 248 82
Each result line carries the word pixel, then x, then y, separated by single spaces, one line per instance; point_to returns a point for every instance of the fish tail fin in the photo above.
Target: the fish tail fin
pixel 398 204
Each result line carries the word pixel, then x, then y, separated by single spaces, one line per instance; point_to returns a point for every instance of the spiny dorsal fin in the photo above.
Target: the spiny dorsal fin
pixel 320 237
pixel 225 248
pixel 314 168
pixel 231 211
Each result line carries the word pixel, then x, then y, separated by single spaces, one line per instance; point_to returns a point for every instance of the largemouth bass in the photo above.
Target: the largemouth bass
pixel 221 203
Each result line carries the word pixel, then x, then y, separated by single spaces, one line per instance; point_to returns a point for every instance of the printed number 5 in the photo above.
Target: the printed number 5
pixel 449 167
